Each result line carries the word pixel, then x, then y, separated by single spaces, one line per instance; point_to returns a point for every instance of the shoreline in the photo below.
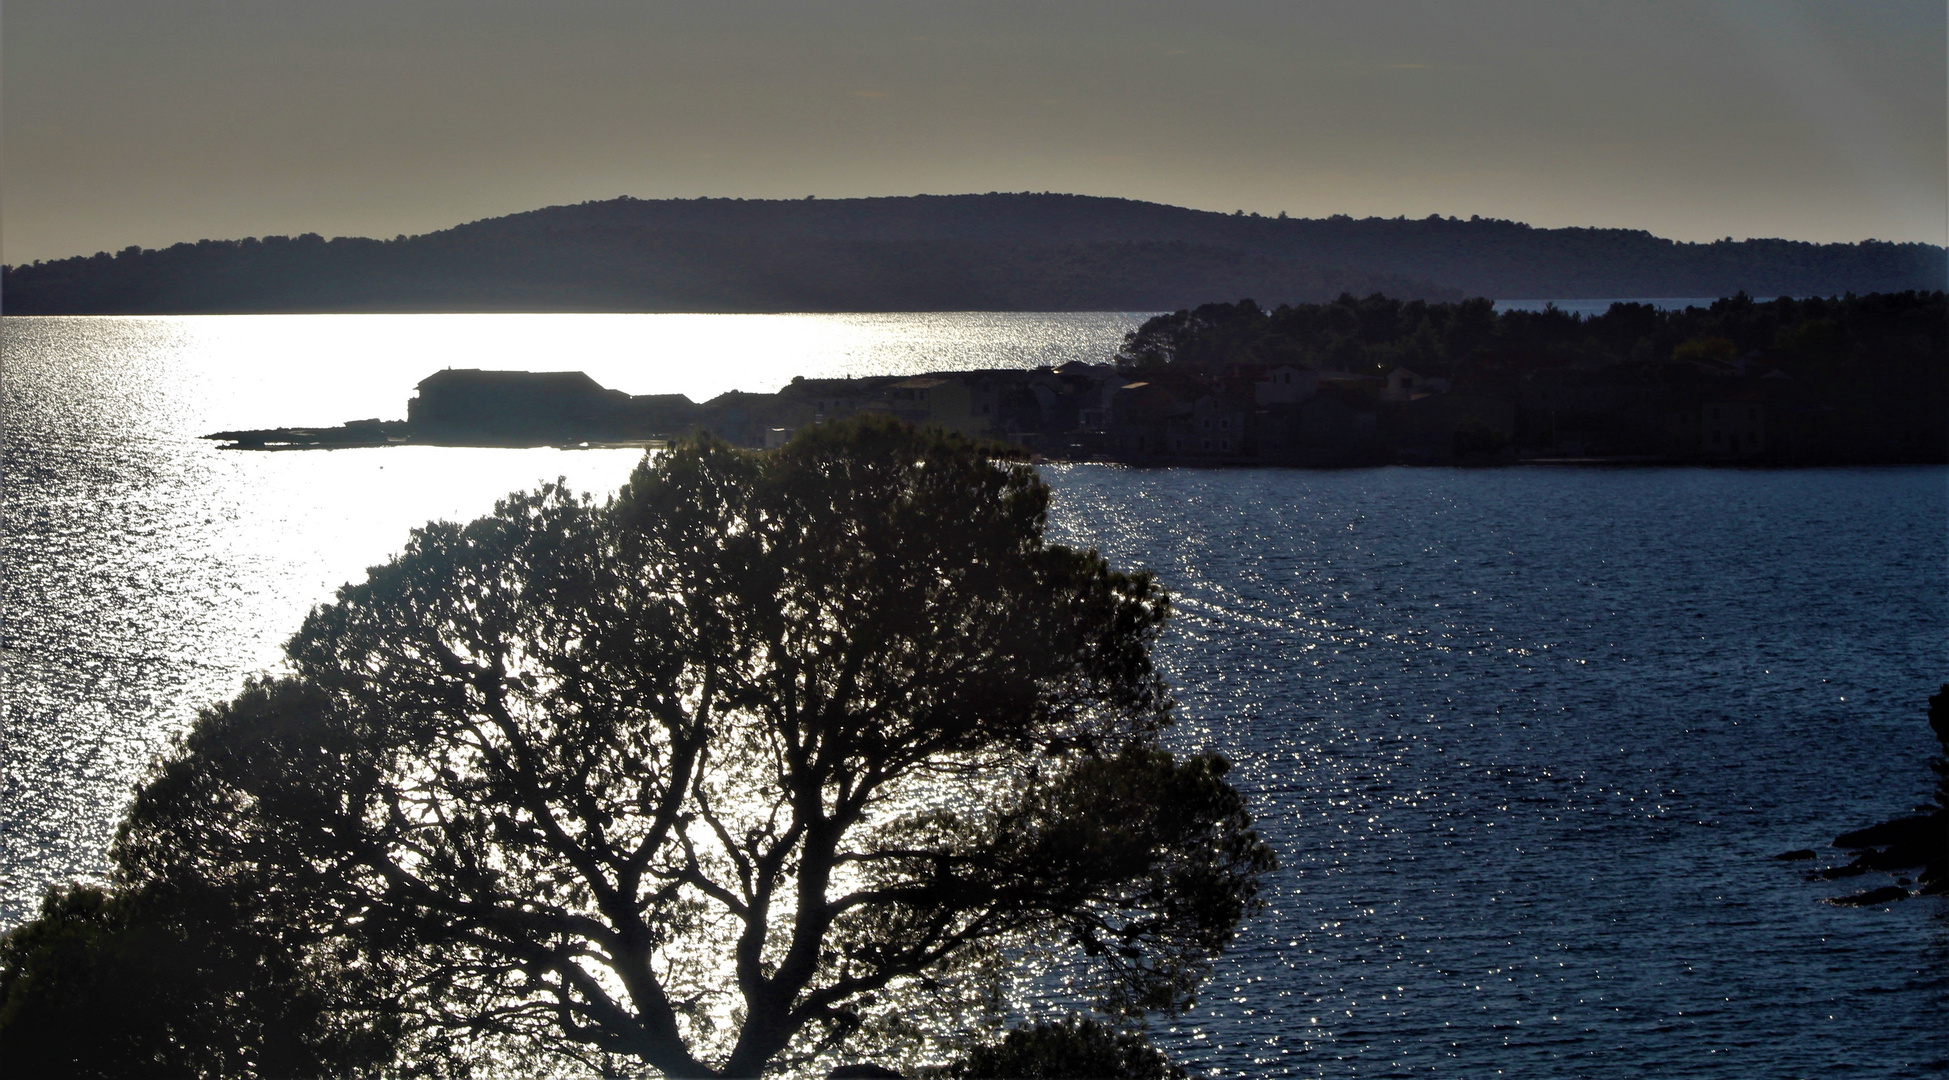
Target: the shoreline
pixel 373 435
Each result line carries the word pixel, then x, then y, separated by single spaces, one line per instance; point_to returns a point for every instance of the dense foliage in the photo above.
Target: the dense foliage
pixel 1073 1049
pixel 154 981
pixel 770 755
pixel 1880 334
pixel 965 252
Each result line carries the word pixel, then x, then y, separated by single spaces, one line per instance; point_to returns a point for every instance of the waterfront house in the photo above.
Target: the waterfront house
pixel 659 415
pixel 837 399
pixel 515 407
pixel 1214 428
pixel 1402 385
pixel 936 401
pixel 1141 417
pixel 1286 384
pixel 1732 429
pixel 1440 427
pixel 1333 427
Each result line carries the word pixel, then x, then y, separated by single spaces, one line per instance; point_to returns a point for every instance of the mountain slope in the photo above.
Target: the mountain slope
pixel 985 252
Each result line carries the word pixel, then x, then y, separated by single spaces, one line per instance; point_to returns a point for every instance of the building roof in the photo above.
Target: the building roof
pixel 854 387
pixel 472 378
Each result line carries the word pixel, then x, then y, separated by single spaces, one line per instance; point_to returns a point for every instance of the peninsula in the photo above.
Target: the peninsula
pixel 1353 382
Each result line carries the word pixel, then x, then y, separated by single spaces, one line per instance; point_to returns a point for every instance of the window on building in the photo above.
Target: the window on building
pixel 1207 446
pixel 1224 444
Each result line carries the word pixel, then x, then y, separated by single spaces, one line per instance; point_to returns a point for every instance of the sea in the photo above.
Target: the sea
pixel 1525 740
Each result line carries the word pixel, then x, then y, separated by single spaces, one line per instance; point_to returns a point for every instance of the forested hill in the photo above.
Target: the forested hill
pixel 985 252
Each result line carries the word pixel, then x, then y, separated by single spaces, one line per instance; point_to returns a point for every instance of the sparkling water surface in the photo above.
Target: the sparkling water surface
pixel 1524 739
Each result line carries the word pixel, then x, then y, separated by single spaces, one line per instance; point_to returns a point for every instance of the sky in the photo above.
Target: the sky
pixel 150 122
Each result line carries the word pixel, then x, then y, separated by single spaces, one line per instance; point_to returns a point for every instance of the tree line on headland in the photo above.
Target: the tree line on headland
pixel 1786 381
pixel 1852 379
pixel 1853 337
pixel 996 252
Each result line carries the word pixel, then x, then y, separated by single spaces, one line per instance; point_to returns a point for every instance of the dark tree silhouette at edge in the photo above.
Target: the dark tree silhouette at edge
pixel 706 777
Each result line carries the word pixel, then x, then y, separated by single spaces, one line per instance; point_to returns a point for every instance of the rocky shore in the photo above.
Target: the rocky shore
pixel 1914 848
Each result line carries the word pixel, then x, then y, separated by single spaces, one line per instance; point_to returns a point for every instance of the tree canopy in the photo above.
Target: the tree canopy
pixel 1892 334
pixel 769 755
pixel 1071 1049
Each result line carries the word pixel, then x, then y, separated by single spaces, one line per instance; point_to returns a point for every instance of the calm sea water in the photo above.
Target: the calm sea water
pixel 1524 739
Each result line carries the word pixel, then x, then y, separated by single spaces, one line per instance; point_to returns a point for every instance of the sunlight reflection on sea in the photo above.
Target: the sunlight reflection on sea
pixel 1523 738
pixel 147 571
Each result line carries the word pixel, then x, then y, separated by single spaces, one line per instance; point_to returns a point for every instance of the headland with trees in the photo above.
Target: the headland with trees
pixel 1379 380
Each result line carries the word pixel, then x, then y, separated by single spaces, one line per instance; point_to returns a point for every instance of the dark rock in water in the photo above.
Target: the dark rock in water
pixel 1897 857
pixel 1894 847
pixel 354 434
pixel 1915 831
pixel 1796 855
pixel 1918 841
pixel 1887 894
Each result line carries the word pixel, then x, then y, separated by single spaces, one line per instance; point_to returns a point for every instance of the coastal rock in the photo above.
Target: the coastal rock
pixel 1917 832
pixel 1887 894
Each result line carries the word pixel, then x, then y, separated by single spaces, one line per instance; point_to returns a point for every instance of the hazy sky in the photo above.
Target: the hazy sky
pixel 154 121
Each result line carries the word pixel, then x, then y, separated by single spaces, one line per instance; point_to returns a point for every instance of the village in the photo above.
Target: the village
pixel 1742 411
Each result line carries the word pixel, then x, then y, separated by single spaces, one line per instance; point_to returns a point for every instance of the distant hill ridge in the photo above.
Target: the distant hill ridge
pixel 937 252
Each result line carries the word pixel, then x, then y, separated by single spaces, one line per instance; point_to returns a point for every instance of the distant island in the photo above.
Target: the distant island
pixel 1353 382
pixel 995 252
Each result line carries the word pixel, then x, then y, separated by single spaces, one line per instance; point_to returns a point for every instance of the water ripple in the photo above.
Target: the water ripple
pixel 1523 739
